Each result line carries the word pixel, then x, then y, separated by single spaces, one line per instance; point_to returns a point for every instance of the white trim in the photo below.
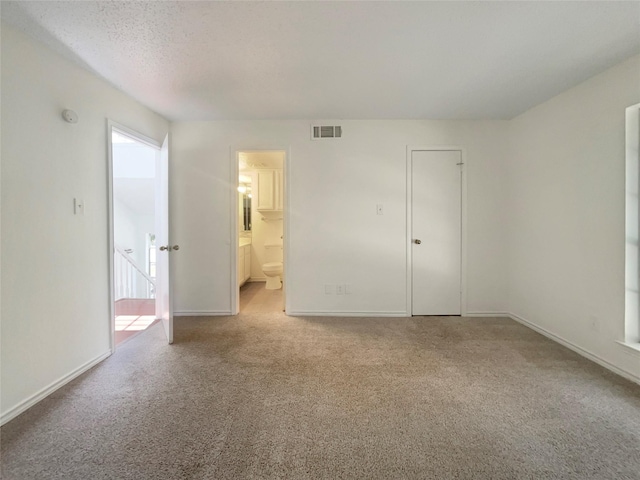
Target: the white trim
pixel 286 227
pixel 633 348
pixel 409 236
pixel 463 222
pixel 234 300
pixel 579 350
pixel 463 232
pixel 137 136
pixel 111 125
pixel 111 241
pixel 488 314
pixel 49 389
pixel 234 153
pixel 331 313
pixel 257 279
pixel 202 313
pixel 631 326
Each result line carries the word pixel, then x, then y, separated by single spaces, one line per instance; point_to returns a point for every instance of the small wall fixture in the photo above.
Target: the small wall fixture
pixel 70 116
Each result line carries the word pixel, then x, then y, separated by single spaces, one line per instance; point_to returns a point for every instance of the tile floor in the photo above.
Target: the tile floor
pixel 133 315
pixel 254 298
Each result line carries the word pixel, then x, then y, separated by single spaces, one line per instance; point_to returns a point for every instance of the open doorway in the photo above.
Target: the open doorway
pixel 133 179
pixel 260 207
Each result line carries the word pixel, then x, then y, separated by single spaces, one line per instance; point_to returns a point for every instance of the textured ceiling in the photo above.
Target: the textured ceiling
pixel 257 160
pixel 325 60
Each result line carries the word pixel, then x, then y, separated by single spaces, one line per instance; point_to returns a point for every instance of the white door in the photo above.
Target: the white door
pixel 165 249
pixel 436 186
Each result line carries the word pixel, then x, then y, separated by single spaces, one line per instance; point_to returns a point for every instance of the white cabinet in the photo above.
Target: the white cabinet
pixel 244 263
pixel 240 265
pixel 266 190
pixel 270 190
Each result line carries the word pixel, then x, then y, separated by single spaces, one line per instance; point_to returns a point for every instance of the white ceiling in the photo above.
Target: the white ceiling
pixel 257 160
pixel 331 60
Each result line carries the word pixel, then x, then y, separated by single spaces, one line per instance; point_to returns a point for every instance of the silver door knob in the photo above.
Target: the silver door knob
pixel 163 248
pixel 176 247
pixel 417 242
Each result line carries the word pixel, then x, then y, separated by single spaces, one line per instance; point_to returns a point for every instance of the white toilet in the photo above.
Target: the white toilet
pixel 272 268
pixel 273 272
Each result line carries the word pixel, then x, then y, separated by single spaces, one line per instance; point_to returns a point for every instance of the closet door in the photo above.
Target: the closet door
pixel 436 211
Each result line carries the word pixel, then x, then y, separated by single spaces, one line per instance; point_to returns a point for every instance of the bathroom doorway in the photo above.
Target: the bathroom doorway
pixel 258 253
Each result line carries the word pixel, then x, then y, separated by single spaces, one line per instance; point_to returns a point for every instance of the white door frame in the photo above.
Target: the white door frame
pixel 111 125
pixel 463 229
pixel 234 155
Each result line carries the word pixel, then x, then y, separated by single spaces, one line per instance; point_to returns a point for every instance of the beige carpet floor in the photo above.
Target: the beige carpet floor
pixel 270 396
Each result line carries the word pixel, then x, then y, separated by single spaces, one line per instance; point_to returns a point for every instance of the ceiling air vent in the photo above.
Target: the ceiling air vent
pixel 325 131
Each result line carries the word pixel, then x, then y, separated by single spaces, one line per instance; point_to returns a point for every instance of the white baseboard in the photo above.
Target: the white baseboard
pixel 487 314
pixel 49 389
pixel 257 279
pixel 202 313
pixel 579 350
pixel 328 313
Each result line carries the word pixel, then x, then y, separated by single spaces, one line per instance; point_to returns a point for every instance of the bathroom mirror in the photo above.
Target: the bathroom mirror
pixel 246 211
pixel 244 202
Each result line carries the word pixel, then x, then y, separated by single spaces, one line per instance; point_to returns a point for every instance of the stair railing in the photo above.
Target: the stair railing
pixel 130 280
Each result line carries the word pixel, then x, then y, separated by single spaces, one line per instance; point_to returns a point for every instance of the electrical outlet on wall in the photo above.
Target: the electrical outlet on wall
pixel 348 289
pixel 339 289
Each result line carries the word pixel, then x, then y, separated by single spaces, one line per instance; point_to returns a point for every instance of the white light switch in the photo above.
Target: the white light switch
pixel 78 206
pixel 379 209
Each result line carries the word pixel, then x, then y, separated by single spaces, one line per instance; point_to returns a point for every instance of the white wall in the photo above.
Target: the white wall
pixel 124 227
pixel 335 234
pixel 134 160
pixel 55 316
pixel 134 173
pixel 566 200
pixel 145 224
pixel 130 230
